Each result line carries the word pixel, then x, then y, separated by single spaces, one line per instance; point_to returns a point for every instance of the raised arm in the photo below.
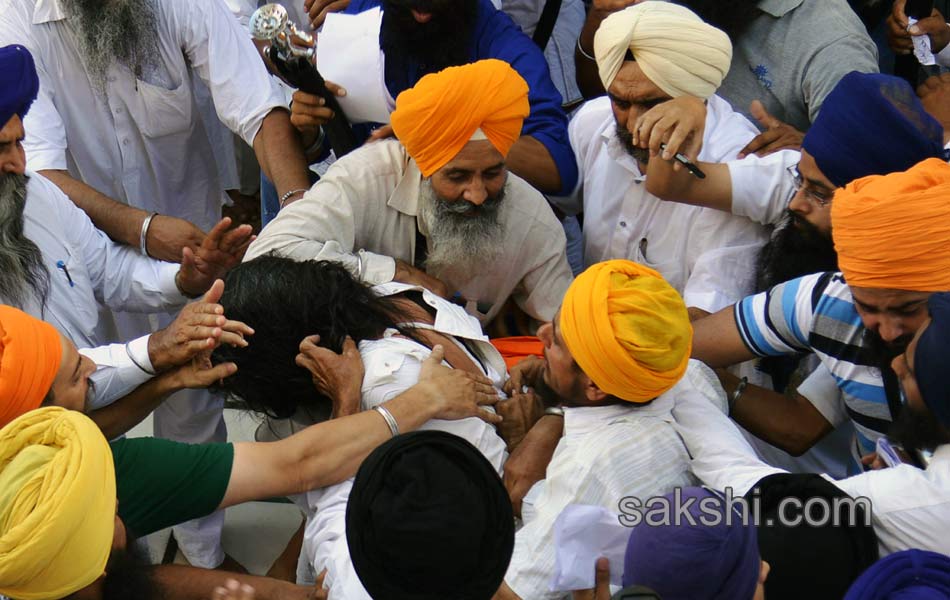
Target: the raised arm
pixel 717 341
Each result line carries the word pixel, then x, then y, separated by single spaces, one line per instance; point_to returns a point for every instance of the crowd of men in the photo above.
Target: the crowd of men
pixel 636 297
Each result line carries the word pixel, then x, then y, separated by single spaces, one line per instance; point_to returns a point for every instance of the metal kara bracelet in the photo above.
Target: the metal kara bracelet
pixel 143 237
pixel 390 419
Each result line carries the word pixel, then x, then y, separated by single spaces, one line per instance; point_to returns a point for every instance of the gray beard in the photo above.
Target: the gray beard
pixel 110 32
pixel 23 276
pixel 463 239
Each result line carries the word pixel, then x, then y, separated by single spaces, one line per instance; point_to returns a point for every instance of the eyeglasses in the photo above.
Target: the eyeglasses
pixel 816 198
pixel 636 592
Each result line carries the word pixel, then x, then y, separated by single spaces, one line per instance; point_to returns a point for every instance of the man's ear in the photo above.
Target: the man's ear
pixel 592 393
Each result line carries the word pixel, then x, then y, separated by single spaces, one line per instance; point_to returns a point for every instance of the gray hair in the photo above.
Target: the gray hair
pixel 23 276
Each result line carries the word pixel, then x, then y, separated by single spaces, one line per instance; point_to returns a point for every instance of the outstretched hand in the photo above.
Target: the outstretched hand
pixel 336 376
pixel 777 135
pixel 219 252
pixel 457 394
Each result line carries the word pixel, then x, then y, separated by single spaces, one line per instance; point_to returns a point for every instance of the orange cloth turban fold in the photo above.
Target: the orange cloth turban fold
pixel 30 354
pixel 627 329
pixel 893 231
pixel 438 116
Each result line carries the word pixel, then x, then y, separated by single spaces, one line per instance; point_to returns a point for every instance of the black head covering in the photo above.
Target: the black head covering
pixel 818 563
pixel 429 518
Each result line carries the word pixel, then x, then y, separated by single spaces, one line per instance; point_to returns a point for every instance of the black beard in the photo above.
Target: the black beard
pixel 445 41
pixel 23 276
pixel 881 353
pixel 797 248
pixel 128 575
pixel 626 140
pixel 732 17
pixel 918 430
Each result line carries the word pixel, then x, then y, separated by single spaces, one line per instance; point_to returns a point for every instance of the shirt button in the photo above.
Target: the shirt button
pixel 118 111
pixel 125 142
pixel 623 223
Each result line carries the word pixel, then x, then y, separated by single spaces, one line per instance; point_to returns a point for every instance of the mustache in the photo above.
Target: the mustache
pixel 460 206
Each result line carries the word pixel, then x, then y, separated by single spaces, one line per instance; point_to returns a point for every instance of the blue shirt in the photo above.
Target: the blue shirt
pixel 497 36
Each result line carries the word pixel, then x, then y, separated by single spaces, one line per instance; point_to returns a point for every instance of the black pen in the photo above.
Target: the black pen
pixel 62 266
pixel 690 166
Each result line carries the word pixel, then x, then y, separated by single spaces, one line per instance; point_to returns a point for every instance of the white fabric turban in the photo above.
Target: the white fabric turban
pixel 677 51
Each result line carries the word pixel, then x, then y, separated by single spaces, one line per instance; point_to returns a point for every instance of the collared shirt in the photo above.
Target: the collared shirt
pixel 762 187
pixel 392 365
pixel 909 506
pixel 142 141
pixel 365 212
pixel 95 273
pixel 606 454
pixel 707 255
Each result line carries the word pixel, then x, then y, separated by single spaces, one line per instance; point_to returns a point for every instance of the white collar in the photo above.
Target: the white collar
pixel 47 11
pixel 449 318
pixel 579 420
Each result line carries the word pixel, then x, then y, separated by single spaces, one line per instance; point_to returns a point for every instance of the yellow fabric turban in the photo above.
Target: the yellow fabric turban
pixel 57 504
pixel 893 231
pixel 627 329
pixel 677 51
pixel 30 355
pixel 438 116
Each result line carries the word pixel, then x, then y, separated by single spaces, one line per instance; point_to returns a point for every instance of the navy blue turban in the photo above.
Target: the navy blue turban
pixel 710 556
pixel 907 575
pixel 932 359
pixel 19 83
pixel 871 124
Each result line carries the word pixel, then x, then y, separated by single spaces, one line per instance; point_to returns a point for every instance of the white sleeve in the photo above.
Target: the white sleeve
pixel 762 187
pixel 823 392
pixel 721 457
pixel 117 373
pixel 223 55
pixel 943 57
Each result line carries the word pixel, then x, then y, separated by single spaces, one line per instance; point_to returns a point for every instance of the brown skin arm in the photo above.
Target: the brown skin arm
pixel 505 593
pixel 791 422
pixel 528 464
pixel 716 340
pixel 679 185
pixel 281 153
pixel 530 160
pixel 178 582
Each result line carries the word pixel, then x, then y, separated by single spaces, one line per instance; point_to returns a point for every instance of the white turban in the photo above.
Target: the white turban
pixel 677 51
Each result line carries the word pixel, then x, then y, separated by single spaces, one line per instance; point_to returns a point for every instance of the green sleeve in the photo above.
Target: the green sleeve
pixel 161 483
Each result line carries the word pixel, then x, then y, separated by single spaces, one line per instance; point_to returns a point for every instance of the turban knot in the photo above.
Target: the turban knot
pixel 57 504
pixel 932 359
pixel 906 575
pixel 19 83
pixel 30 354
pixel 627 329
pixel 893 231
pixel 436 118
pixel 845 148
pixel 677 51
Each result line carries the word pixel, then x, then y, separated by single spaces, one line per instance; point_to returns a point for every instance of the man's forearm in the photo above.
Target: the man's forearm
pixel 588 79
pixel 178 582
pixel 119 221
pixel 127 412
pixel 531 160
pixel 281 154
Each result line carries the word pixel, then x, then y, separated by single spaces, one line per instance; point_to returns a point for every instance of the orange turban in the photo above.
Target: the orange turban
pixel 30 353
pixel 627 329
pixel 438 116
pixel 893 231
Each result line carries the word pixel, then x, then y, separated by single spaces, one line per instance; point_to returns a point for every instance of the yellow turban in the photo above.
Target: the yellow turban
pixel 57 504
pixel 30 355
pixel 627 329
pixel 677 51
pixel 436 118
pixel 893 231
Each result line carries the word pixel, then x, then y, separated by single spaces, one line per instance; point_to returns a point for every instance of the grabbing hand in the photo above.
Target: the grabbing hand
pixel 199 373
pixel 309 111
pixel 336 376
pixel 200 326
pixel 935 96
pixel 220 251
pixel 319 9
pixel 899 38
pixel 234 590
pixel 456 394
pixel 526 373
pixel 679 123
pixel 406 273
pixel 777 135
pixel 528 464
pixel 381 133
pixel 601 589
pixel 520 412
pixel 168 236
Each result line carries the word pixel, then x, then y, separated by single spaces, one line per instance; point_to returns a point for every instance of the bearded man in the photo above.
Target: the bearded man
pixel 117 117
pixel 438 208
pixel 706 256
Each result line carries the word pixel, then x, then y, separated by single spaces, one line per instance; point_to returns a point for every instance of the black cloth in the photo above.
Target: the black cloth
pixel 809 561
pixel 429 518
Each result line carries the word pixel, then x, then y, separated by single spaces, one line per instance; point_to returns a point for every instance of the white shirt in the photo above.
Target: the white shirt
pixel 707 255
pixel 142 142
pixel 392 365
pixel 910 506
pixel 762 187
pixel 100 273
pixel 606 454
pixel 369 201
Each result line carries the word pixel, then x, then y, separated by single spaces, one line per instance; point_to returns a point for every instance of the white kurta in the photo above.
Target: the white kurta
pixel 368 204
pixel 142 142
pixel 100 273
pixel 392 366
pixel 707 255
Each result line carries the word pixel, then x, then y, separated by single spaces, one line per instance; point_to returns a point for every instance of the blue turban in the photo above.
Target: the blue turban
pixel 871 124
pixel 932 359
pixel 19 83
pixel 710 556
pixel 907 575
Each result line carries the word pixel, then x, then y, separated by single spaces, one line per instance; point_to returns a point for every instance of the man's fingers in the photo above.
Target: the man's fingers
pixel 217 232
pixel 310 340
pixel 381 133
pixel 349 347
pixel 759 142
pixel 762 116
pixel 489 417
pixel 206 377
pixel 897 12
pixel 602 579
pixel 214 293
pixel 437 355
pixel 336 90
pixel 232 339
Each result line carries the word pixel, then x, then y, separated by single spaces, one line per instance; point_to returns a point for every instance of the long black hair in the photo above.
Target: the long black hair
pixel 286 301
